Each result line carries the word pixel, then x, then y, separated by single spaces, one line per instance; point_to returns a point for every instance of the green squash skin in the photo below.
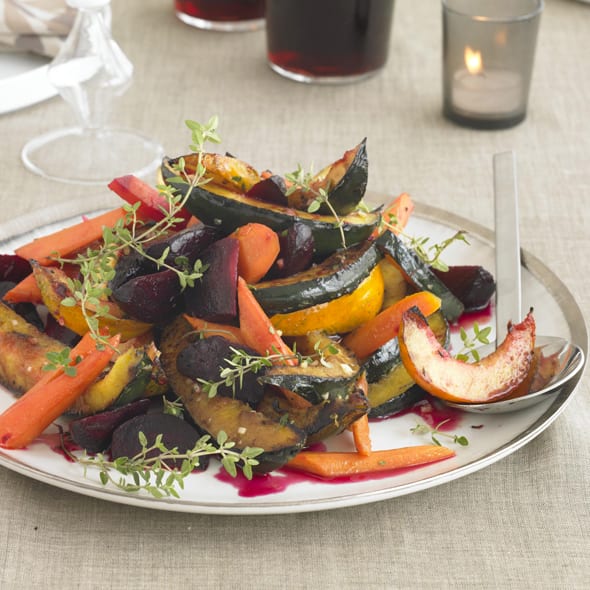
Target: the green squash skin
pixel 317 383
pixel 319 421
pixel 391 389
pixel 338 275
pixel 350 190
pixel 404 400
pixel 138 384
pixel 419 273
pixel 229 210
pixel 281 442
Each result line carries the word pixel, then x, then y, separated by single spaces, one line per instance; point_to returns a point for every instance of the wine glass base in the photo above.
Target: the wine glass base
pixel 238 26
pixel 91 156
pixel 309 78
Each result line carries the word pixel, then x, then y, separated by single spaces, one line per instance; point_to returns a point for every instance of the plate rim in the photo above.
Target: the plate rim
pixel 13 88
pixel 73 208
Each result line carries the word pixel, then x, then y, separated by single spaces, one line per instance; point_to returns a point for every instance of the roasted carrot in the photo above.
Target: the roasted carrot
pixel 208 328
pixel 397 214
pixel 329 465
pixel 32 413
pixel 256 329
pixel 367 338
pixel 70 239
pixel 28 291
pixel 259 248
pixel 361 435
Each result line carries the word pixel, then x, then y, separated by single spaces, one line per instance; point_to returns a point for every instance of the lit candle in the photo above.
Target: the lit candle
pixel 488 91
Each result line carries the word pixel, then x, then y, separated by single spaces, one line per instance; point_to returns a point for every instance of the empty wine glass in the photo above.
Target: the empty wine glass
pixel 90 72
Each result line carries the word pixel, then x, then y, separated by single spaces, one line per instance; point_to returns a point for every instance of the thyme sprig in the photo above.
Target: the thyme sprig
pixel 61 360
pixel 241 363
pixel 154 469
pixel 431 253
pixel 97 266
pixel 470 343
pixel 435 432
pixel 302 180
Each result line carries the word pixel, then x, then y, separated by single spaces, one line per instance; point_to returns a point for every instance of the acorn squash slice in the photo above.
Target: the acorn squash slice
pixel 226 206
pixel 391 388
pixel 339 274
pixel 318 421
pixel 338 315
pixel 243 425
pixel 328 377
pixel 344 181
pixel 418 273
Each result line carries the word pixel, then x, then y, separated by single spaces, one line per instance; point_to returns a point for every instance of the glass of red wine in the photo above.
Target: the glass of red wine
pixel 328 41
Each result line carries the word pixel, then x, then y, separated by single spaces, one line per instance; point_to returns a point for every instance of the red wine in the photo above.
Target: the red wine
pixel 221 10
pixel 323 38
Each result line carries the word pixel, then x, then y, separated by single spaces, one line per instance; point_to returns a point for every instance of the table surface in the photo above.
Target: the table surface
pixel 520 523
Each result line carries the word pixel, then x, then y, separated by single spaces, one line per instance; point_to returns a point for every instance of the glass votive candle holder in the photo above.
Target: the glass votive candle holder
pixel 328 41
pixel 221 15
pixel 488 55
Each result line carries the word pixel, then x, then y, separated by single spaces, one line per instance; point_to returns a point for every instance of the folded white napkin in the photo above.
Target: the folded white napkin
pixel 39 26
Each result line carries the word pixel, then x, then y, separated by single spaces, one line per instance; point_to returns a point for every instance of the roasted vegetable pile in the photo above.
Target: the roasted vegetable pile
pixel 266 307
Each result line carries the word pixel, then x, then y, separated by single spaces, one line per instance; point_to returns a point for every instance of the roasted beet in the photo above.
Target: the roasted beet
pixel 205 358
pixel 270 190
pixel 94 433
pixel 187 244
pixel 152 298
pixel 130 266
pixel 297 245
pixel 176 433
pixel 474 286
pixel 13 268
pixel 214 296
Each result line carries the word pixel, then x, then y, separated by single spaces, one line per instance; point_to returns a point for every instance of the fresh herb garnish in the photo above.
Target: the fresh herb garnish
pixel 303 181
pixel 470 344
pixel 158 474
pixel 61 360
pixel 436 432
pixel 97 266
pixel 431 253
pixel 241 363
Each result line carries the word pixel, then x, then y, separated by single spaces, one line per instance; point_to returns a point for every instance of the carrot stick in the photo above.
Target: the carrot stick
pixel 361 435
pixel 26 291
pixel 32 413
pixel 397 214
pixel 255 327
pixel 368 337
pixel 69 239
pixel 208 328
pixel 332 464
pixel 259 248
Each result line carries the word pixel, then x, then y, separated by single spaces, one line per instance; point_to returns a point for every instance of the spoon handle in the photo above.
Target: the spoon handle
pixel 508 283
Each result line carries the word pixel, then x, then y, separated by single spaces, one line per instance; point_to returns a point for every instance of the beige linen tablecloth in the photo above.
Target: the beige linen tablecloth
pixel 520 523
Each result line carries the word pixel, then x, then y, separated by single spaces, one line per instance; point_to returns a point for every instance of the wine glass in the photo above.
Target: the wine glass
pixel 90 72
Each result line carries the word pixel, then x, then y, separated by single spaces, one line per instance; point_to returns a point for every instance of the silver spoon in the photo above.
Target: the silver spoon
pixel 563 359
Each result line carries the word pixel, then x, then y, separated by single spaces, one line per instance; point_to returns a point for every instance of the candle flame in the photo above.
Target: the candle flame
pixel 473 61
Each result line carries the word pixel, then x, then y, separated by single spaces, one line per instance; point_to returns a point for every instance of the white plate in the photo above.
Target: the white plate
pixel 491 437
pixel 23 81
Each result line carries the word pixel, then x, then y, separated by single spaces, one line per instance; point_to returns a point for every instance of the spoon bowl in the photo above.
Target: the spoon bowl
pixel 559 361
